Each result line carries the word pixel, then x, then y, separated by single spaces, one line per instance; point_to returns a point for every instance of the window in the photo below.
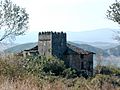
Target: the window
pixel 89 65
pixel 82 65
pixel 82 56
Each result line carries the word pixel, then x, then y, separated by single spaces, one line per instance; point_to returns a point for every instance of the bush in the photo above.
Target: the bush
pixel 53 66
pixel 11 68
pixel 48 73
pixel 69 73
pixel 41 65
pixel 108 70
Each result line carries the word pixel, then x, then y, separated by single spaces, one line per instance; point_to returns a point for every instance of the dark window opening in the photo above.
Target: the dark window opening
pixel 82 65
pixel 89 65
pixel 59 54
pixel 82 56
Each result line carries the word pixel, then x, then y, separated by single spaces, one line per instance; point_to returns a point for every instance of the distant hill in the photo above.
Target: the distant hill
pixel 98 35
pixel 19 48
pixel 114 51
pixel 102 45
pixel 22 47
pixel 87 47
pixel 4 46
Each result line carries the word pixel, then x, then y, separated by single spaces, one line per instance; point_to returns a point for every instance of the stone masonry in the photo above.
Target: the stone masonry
pixel 55 44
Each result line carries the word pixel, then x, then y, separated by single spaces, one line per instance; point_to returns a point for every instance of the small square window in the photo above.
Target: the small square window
pixel 82 56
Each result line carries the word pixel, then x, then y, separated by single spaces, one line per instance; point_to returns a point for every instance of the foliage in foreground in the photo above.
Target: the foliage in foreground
pixel 39 66
pixel 36 73
pixel 107 70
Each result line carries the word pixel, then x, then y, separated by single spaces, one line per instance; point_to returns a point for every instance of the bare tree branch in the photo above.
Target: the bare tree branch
pixel 13 20
pixel 113 13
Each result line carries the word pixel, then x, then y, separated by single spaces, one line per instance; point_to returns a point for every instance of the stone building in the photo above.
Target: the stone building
pixel 32 51
pixel 55 44
pixel 50 43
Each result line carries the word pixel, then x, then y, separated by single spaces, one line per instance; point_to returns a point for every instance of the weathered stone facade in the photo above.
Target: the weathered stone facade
pixel 55 44
pixel 50 43
pixel 79 59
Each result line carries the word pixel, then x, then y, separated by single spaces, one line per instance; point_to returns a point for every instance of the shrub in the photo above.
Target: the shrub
pixel 109 70
pixel 69 73
pixel 11 68
pixel 45 66
pixel 54 66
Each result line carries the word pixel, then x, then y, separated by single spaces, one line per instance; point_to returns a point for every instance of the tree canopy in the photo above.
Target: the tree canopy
pixel 13 20
pixel 113 13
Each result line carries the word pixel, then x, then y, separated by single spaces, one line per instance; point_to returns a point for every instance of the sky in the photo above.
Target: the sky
pixel 67 15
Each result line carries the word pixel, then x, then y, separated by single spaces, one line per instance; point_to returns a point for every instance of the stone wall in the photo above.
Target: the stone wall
pixel 52 43
pixel 58 44
pixel 80 62
pixel 44 43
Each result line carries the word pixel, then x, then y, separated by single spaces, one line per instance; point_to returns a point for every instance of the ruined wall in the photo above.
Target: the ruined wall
pixel 80 62
pixel 89 63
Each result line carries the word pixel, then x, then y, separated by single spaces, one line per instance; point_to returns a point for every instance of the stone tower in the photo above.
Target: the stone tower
pixel 52 43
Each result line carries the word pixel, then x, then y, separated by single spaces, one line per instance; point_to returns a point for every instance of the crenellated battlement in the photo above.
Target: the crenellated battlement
pixel 51 32
pixel 45 33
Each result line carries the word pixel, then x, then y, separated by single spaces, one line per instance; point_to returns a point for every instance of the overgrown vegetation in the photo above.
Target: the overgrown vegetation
pixel 41 73
pixel 39 66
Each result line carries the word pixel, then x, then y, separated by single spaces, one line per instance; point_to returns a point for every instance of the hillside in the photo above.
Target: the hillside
pixel 114 51
pixel 19 48
pixel 102 45
pixel 87 47
pixel 97 35
pixel 4 46
pixel 105 52
pixel 85 36
pixel 22 47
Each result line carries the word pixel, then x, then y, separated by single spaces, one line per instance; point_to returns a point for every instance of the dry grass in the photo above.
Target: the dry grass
pixel 11 79
pixel 30 84
pixel 33 84
pixel 18 85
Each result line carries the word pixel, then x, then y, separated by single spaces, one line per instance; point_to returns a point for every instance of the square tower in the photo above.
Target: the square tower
pixel 52 43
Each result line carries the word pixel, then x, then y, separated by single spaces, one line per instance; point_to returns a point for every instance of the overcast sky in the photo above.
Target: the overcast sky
pixel 67 15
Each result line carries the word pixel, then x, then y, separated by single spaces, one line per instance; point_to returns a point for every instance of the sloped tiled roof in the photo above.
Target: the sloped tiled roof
pixel 71 49
pixel 34 48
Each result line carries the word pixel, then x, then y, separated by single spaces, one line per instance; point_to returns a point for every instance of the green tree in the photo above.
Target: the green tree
pixel 113 13
pixel 43 65
pixel 13 20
